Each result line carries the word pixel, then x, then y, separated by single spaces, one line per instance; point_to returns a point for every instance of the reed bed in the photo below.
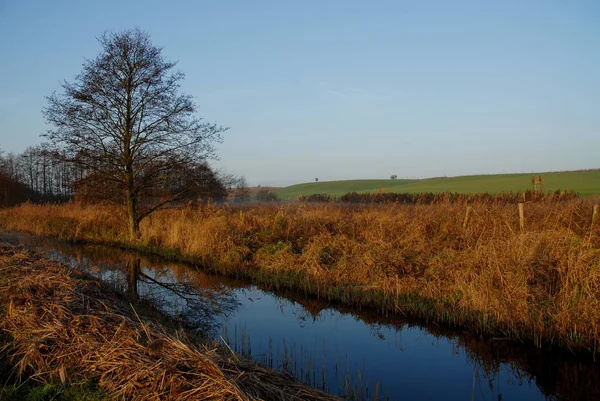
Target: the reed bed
pixel 62 327
pixel 537 283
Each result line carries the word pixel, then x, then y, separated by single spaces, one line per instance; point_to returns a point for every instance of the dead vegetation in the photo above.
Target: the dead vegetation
pixel 538 283
pixel 62 327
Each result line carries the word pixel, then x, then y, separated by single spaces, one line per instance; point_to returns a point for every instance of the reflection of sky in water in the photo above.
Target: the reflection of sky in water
pixel 407 364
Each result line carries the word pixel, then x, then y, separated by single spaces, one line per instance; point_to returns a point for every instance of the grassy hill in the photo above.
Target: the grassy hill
pixel 586 183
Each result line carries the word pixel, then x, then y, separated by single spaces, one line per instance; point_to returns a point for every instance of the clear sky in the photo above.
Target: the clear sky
pixel 342 89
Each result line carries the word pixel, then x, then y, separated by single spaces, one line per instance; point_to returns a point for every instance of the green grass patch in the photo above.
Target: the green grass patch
pixel 586 183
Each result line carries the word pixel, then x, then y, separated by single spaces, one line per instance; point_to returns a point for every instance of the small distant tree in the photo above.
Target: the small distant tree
pixel 266 195
pixel 242 192
pixel 125 123
pixel 393 177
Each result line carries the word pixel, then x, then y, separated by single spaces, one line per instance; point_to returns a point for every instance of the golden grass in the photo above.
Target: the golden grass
pixel 64 327
pixel 539 284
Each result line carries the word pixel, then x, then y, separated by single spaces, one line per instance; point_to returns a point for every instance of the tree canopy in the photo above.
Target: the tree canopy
pixel 125 121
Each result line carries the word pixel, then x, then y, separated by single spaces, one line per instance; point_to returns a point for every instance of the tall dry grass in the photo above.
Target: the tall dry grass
pixel 60 326
pixel 539 284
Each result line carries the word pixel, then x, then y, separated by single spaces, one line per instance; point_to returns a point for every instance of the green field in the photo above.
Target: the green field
pixel 586 183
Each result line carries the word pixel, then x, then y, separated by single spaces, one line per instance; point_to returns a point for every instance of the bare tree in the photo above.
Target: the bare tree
pixel 266 195
pixel 124 120
pixel 11 167
pixel 242 192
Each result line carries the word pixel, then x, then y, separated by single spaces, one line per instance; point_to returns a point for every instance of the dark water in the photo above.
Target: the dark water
pixel 357 354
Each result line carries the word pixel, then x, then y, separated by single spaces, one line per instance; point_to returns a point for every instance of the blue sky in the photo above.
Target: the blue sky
pixel 342 89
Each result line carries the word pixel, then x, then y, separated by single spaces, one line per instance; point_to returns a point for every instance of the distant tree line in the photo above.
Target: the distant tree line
pixel 11 191
pixel 441 197
pixel 41 174
pixel 38 175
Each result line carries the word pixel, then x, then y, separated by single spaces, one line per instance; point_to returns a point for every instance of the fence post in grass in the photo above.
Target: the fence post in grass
pixel 594 217
pixel 467 214
pixel 521 216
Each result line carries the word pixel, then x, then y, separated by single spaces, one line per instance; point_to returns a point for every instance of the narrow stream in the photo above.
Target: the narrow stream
pixel 357 354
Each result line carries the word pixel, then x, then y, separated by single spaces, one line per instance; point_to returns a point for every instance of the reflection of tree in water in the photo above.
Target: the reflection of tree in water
pixel 194 306
pixel 193 298
pixel 133 272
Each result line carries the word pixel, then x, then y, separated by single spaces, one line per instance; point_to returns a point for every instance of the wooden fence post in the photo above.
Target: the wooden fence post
pixel 467 214
pixel 521 216
pixel 594 216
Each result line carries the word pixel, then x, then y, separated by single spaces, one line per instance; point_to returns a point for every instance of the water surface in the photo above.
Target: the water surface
pixel 357 354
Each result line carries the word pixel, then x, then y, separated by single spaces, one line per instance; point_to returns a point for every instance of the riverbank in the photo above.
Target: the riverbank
pixel 538 283
pixel 63 329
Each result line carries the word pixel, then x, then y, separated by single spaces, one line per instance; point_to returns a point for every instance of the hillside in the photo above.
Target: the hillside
pixel 586 183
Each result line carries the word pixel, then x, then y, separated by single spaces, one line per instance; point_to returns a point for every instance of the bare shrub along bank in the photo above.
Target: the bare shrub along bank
pixel 538 283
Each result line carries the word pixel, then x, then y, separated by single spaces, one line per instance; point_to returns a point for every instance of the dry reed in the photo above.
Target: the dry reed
pixel 64 327
pixel 539 284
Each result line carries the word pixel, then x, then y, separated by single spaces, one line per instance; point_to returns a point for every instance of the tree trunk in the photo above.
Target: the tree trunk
pixel 134 225
pixel 133 270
